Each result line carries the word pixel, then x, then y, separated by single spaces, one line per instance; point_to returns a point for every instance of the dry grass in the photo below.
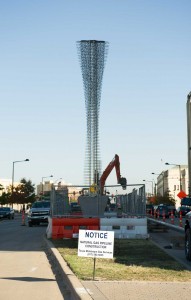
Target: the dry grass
pixel 133 260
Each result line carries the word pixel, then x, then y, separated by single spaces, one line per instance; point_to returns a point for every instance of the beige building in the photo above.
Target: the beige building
pixel 46 186
pixel 172 181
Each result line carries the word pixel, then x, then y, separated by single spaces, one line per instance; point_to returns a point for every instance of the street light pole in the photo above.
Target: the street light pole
pixel 13 173
pixel 43 182
pixel 151 182
pixel 162 181
pixel 188 108
pixel 180 177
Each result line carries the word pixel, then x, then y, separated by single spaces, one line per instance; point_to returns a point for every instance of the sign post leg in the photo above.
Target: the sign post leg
pixel 94 268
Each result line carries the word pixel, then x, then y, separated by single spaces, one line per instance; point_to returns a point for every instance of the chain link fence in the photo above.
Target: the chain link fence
pixel 87 202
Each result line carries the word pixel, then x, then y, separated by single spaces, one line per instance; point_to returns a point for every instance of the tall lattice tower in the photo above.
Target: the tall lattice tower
pixel 92 55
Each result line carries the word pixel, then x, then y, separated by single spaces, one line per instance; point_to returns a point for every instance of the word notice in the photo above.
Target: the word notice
pixel 93 243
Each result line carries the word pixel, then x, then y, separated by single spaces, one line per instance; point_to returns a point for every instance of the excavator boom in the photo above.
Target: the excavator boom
pixel 114 163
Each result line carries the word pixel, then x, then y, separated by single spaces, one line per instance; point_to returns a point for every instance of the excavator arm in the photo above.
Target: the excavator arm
pixel 121 180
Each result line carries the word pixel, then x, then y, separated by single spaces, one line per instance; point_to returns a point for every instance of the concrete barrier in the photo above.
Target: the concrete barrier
pixel 167 225
pixel 126 228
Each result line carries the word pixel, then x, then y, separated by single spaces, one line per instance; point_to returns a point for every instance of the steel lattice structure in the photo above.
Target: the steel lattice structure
pixel 92 55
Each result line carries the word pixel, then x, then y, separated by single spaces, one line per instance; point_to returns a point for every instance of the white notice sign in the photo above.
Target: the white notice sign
pixel 93 243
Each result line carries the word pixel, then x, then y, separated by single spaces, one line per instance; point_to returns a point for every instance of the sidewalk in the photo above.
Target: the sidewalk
pixel 25 272
pixel 138 290
pixel 119 290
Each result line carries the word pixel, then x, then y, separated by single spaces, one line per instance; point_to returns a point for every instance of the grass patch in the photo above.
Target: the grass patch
pixel 133 260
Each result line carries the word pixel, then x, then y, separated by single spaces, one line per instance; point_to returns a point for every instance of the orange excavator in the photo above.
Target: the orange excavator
pixel 120 180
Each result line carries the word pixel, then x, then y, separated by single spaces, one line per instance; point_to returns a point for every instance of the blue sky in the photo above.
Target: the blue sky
pixel 145 85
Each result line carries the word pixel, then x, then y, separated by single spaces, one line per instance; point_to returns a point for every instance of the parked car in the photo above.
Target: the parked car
pixel 7 213
pixel 183 209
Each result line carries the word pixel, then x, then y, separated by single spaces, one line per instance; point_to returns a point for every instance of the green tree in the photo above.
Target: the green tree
pixel 166 199
pixel 5 198
pixel 1 187
pixel 23 193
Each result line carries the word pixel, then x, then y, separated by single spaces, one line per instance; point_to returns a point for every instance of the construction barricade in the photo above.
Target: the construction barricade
pixel 126 228
pixel 67 227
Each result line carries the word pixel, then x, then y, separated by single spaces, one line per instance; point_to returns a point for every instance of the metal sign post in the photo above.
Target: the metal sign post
pixel 94 268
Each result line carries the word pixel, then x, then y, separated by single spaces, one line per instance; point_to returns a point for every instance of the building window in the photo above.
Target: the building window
pixel 174 187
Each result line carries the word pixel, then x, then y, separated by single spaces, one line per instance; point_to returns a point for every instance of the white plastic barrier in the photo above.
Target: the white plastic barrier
pixel 126 228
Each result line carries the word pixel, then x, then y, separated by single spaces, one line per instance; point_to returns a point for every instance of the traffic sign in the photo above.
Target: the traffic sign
pixel 95 243
pixel 181 194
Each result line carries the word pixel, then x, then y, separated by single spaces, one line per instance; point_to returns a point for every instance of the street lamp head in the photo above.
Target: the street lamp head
pixel 51 175
pixel 57 180
pixel 27 159
pixel 172 164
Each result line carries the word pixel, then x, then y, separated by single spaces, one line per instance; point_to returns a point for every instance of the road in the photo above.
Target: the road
pixel 25 272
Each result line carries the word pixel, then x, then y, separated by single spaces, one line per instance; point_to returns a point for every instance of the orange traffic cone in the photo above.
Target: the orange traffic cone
pixel 172 217
pixel 180 221
pixel 163 215
pixel 23 218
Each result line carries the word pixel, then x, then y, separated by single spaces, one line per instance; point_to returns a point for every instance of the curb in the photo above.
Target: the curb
pixel 77 290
